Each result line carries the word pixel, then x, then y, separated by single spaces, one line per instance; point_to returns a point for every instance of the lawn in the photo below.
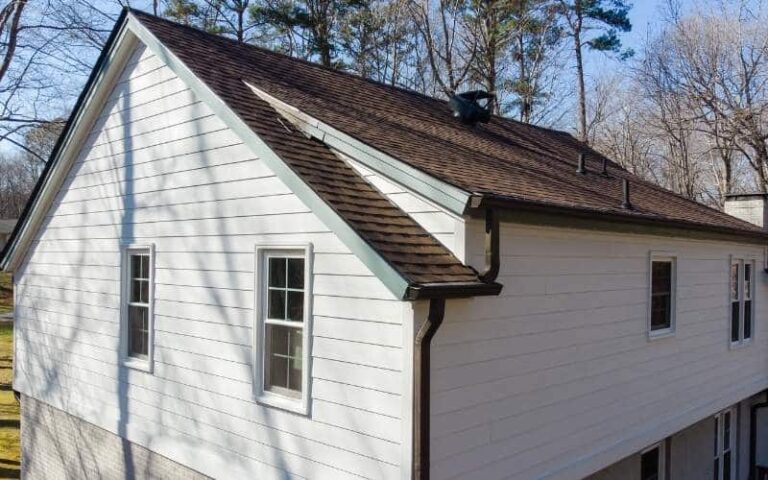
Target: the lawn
pixel 6 293
pixel 9 409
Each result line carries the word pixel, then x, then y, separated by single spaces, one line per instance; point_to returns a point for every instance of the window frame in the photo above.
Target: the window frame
pixel 297 404
pixel 661 446
pixel 719 453
pixel 656 256
pixel 742 261
pixel 127 360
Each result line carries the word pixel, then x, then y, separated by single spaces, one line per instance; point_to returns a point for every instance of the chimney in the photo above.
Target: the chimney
pixel 750 207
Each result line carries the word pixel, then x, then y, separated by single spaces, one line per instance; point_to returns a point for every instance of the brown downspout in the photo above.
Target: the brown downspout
pixel 422 349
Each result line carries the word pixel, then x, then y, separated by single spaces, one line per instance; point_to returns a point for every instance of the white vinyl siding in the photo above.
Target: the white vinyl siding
pixel 555 378
pixel 160 168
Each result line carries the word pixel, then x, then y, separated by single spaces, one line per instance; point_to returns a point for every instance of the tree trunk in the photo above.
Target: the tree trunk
pixel 582 90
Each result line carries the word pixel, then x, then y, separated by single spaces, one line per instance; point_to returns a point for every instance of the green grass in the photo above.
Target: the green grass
pixel 6 293
pixel 9 409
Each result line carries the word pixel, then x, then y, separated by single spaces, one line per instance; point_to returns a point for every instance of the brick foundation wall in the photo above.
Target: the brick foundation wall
pixel 56 445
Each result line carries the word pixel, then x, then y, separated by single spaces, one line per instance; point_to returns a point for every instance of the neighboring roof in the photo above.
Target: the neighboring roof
pixel 504 160
pixel 6 226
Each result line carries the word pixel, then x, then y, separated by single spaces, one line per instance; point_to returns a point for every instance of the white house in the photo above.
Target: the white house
pixel 241 265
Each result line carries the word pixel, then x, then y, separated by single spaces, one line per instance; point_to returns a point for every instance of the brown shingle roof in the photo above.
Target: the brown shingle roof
pixel 401 241
pixel 504 159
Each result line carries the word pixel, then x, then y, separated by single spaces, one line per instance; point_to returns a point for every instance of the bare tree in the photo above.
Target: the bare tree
pixel 449 48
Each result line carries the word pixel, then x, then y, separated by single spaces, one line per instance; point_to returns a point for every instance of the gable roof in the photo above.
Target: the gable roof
pixel 504 162
pixel 426 267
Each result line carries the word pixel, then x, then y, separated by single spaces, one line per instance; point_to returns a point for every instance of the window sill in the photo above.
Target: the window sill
pixel 138 364
pixel 295 405
pixel 659 334
pixel 740 345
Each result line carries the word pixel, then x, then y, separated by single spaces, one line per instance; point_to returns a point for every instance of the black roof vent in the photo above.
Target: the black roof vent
pixel 467 108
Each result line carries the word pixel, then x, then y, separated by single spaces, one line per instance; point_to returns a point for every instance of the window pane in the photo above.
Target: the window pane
pixel 649 465
pixel 717 435
pixel 735 320
pixel 748 319
pixel 135 266
pixel 138 331
pixel 661 278
pixel 296 273
pixel 296 306
pixel 284 351
pixel 660 312
pixel 276 307
pixel 145 266
pixel 717 469
pixel 726 431
pixel 727 466
pixel 747 280
pixel 735 281
pixel 297 349
pixel 277 272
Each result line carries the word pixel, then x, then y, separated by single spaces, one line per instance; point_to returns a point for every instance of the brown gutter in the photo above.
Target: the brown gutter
pixel 427 331
pixel 617 216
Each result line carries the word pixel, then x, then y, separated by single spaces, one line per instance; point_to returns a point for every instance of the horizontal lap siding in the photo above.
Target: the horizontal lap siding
pixel 555 378
pixel 160 168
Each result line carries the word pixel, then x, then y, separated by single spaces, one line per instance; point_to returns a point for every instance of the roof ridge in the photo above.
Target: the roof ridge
pixel 331 70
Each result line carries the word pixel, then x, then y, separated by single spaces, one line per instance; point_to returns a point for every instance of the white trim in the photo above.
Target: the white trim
pixel 262 396
pixel 662 447
pixel 145 365
pixel 660 256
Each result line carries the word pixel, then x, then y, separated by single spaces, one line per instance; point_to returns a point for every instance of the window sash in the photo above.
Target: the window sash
pixel 653 462
pixel 661 295
pixel 282 344
pixel 742 281
pixel 138 278
pixel 725 446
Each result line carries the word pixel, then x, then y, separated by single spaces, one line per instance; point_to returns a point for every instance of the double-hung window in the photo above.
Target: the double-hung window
pixel 741 300
pixel 136 313
pixel 652 462
pixel 725 445
pixel 283 302
pixel 662 295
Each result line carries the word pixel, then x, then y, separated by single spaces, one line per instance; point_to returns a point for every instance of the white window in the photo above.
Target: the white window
pixel 652 463
pixel 663 278
pixel 283 302
pixel 137 305
pixel 741 294
pixel 725 445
